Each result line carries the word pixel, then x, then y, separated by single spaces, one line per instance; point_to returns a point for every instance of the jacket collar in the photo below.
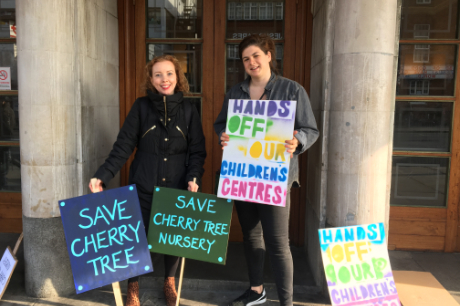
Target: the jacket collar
pixel 176 97
pixel 172 103
pixel 245 84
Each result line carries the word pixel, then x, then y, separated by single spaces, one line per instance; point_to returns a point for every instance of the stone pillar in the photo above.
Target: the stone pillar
pixel 361 112
pixel 67 53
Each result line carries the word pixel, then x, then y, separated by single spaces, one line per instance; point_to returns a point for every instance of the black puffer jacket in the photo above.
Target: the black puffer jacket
pixel 157 126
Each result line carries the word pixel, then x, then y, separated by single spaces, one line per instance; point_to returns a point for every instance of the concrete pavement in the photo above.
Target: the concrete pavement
pixel 210 284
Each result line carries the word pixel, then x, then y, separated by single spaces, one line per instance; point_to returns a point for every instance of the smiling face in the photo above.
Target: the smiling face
pixel 164 77
pixel 256 62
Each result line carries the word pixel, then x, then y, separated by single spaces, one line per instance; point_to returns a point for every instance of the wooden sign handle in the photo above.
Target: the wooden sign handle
pixel 181 277
pixel 117 294
pixel 18 243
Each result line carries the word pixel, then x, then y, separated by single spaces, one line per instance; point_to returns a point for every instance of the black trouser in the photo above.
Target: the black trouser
pixel 268 223
pixel 171 262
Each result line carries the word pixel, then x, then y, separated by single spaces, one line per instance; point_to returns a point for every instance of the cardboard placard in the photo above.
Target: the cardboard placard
pixel 421 289
pixel 255 164
pixel 357 266
pixel 105 237
pixel 7 265
pixel 190 224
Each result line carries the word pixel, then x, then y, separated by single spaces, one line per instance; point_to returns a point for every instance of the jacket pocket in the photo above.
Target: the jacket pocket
pixel 183 135
pixel 151 129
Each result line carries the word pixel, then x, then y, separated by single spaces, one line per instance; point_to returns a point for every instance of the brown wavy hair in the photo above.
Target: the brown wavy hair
pixel 265 43
pixel 182 83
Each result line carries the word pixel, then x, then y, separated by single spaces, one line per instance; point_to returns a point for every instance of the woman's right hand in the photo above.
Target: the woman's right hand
pixel 95 185
pixel 224 138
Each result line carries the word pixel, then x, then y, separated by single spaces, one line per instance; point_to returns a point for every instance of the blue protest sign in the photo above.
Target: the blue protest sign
pixel 105 237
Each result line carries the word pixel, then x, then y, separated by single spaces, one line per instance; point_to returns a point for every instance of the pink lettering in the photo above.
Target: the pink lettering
pixel 234 188
pixel 267 193
pixel 225 191
pixel 251 189
pixel 277 198
pixel 242 189
pixel 260 191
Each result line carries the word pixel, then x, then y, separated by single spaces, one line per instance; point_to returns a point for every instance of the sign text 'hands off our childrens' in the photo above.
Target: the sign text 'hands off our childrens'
pixel 190 224
pixel 255 164
pixel 357 266
pixel 105 237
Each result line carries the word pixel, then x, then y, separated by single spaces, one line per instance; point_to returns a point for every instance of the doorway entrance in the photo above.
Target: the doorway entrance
pixel 204 36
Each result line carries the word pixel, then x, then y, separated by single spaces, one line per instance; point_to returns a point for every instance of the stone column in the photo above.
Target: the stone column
pixel 67 59
pixel 361 112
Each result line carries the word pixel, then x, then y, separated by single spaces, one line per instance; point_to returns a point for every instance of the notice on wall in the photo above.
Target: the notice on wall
pixel 105 237
pixel 357 266
pixel 190 224
pixel 7 265
pixel 12 25
pixel 255 164
pixel 5 78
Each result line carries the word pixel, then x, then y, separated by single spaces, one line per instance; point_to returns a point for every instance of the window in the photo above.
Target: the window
pixel 232 51
pixel 174 19
pixel 10 165
pixel 422 54
pixel 266 11
pixel 154 17
pixel 239 11
pixel 231 11
pixel 279 52
pixel 420 88
pixel 250 11
pixel 279 11
pixel 421 31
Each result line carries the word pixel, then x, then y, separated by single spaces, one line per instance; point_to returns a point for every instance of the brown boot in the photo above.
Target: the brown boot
pixel 132 298
pixel 170 291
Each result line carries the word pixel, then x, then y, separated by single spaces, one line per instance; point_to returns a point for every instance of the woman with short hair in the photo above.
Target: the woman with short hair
pixel 267 226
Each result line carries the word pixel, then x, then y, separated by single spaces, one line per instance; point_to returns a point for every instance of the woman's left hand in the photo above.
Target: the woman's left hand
pixel 193 187
pixel 291 145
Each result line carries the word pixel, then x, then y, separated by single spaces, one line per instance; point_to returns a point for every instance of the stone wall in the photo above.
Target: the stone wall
pixel 353 77
pixel 68 117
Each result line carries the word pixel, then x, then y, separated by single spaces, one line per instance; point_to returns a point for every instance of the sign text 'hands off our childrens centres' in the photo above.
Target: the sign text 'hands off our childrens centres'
pixel 105 237
pixel 255 164
pixel 357 266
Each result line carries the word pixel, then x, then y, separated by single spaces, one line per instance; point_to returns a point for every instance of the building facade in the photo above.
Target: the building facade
pixel 381 75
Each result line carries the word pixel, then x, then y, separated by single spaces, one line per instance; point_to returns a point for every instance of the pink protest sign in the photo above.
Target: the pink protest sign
pixel 255 164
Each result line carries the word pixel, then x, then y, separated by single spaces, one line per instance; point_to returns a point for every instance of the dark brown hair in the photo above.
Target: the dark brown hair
pixel 182 83
pixel 265 43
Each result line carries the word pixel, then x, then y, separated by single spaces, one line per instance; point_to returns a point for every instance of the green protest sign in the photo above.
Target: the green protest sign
pixel 189 224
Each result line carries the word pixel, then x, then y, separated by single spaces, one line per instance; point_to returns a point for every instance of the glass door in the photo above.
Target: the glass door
pixel 203 35
pixel 425 172
pixel 176 27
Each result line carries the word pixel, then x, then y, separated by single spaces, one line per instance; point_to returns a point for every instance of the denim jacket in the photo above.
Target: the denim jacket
pixel 279 88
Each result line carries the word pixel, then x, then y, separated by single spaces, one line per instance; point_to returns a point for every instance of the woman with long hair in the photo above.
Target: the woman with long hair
pixel 267 226
pixel 167 132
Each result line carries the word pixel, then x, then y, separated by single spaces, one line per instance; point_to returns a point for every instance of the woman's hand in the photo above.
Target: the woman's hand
pixel 193 187
pixel 95 185
pixel 291 145
pixel 224 138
